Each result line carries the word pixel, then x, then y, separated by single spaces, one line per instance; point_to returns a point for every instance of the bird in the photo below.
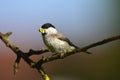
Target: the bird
pixel 55 41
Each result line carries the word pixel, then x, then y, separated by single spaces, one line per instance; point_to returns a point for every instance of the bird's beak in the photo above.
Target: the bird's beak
pixel 41 30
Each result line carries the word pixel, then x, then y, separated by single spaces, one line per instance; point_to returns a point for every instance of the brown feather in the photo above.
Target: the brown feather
pixel 63 38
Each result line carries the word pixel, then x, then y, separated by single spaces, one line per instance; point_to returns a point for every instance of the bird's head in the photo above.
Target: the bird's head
pixel 47 28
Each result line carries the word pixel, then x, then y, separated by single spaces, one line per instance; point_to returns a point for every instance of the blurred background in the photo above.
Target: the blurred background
pixel 82 21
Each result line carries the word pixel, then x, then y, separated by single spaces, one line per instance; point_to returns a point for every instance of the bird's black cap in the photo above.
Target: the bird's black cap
pixel 47 25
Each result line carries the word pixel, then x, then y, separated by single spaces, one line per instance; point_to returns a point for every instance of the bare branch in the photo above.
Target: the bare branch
pixel 24 56
pixel 36 52
pixel 83 49
pixel 38 65
pixel 107 40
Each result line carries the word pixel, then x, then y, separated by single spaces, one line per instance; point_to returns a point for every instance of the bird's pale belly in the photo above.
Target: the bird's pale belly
pixel 58 46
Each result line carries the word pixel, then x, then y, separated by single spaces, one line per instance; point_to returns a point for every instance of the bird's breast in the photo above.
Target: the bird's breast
pixel 56 45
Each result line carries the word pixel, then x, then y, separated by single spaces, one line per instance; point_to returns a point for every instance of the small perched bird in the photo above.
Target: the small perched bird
pixel 56 42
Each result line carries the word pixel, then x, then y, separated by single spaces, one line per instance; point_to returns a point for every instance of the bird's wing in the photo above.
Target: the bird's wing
pixel 63 38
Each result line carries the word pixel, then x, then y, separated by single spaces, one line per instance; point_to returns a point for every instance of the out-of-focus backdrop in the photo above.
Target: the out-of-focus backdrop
pixel 83 21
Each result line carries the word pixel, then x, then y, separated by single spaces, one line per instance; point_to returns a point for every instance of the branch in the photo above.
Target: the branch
pixel 83 49
pixel 24 56
pixel 38 65
pixel 107 40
